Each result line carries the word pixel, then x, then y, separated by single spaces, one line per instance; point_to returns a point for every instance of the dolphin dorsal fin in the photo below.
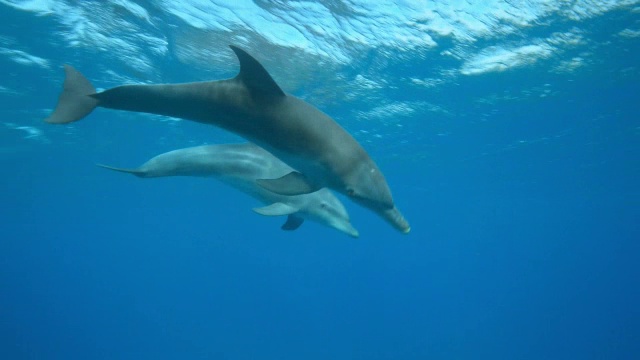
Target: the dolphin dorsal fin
pixel 255 76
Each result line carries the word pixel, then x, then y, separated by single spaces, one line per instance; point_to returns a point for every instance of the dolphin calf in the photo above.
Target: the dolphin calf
pixel 239 165
pixel 253 106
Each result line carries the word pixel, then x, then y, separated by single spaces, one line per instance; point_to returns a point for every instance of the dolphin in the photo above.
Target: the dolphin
pixel 239 165
pixel 253 106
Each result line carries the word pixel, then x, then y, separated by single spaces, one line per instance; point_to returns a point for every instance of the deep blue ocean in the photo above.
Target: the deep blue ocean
pixel 509 133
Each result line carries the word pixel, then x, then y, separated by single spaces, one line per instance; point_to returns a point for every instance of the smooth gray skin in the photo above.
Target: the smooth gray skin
pixel 240 165
pixel 254 107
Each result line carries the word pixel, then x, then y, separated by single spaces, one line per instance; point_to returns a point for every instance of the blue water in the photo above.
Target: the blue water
pixel 510 137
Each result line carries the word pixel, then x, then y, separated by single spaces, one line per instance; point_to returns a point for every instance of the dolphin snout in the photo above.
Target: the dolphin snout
pixel 348 229
pixel 395 218
pixel 388 212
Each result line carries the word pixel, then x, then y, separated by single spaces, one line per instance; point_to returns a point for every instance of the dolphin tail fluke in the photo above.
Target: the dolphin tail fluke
pixel 135 172
pixel 74 102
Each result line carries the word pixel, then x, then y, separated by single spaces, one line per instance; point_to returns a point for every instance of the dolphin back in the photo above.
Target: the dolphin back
pixel 235 163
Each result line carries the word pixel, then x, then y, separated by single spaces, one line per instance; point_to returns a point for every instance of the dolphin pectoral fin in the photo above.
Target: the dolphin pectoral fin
pixel 135 172
pixel 276 209
pixel 293 222
pixel 255 76
pixel 294 183
pixel 74 102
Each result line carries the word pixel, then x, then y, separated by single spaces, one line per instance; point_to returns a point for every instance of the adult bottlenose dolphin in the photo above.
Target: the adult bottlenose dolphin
pixel 253 106
pixel 239 165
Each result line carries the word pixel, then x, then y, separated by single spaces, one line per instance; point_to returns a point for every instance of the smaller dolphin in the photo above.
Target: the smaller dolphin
pixel 240 165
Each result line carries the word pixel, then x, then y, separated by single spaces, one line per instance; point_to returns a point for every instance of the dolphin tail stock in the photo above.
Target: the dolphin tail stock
pixel 136 172
pixel 74 102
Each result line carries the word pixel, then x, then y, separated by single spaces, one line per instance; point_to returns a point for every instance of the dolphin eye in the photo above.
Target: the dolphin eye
pixel 323 205
pixel 351 192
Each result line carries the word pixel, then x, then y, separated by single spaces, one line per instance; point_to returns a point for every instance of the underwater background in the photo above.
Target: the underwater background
pixel 508 131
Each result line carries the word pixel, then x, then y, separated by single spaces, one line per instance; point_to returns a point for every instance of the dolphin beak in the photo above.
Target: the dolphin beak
pixel 390 213
pixel 395 218
pixel 348 229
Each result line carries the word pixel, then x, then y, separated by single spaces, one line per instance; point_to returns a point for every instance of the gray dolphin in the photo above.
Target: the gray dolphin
pixel 240 165
pixel 253 106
